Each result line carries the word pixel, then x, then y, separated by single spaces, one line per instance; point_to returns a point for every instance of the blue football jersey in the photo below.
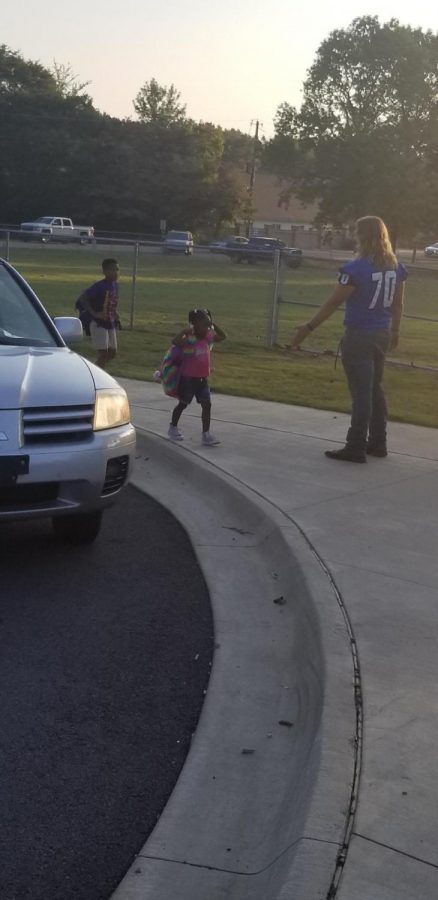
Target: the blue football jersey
pixel 370 305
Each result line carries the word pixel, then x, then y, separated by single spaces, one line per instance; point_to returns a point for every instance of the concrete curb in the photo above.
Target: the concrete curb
pixel 261 808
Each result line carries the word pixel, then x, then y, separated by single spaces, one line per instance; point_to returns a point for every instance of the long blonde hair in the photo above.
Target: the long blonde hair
pixel 374 242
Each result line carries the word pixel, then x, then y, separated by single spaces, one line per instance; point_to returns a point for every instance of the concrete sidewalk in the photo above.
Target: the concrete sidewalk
pixel 375 527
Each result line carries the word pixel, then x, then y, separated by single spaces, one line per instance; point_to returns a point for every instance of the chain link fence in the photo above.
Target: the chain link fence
pixel 157 288
pixel 258 302
pixel 286 299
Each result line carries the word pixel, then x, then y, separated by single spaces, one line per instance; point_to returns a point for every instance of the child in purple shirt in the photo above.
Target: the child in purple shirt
pixel 100 302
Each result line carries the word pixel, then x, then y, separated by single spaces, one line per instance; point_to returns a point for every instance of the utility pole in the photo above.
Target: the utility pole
pixel 252 177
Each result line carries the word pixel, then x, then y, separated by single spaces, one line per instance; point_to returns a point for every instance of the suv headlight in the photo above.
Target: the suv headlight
pixel 111 409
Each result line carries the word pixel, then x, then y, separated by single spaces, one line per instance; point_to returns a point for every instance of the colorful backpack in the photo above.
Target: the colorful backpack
pixel 170 370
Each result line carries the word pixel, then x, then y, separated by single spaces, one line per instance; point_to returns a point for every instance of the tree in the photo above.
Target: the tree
pixel 160 104
pixel 361 142
pixel 57 152
pixel 369 75
pixel 238 148
pixel 20 77
pixel 67 82
pixel 45 141
pixel 286 120
pixel 182 177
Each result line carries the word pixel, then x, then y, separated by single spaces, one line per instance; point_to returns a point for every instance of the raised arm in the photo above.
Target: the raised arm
pixel 219 333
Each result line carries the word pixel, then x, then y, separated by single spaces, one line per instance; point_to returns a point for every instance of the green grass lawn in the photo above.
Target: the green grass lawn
pixel 239 298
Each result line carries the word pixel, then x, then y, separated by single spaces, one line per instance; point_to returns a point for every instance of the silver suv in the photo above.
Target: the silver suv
pixel 66 441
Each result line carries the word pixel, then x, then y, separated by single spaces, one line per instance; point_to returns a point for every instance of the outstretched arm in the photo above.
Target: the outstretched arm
pixel 397 312
pixel 341 293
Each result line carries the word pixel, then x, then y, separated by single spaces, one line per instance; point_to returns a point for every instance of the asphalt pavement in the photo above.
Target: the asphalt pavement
pixel 105 655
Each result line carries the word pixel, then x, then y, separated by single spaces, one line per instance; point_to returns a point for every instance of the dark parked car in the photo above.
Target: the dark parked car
pixel 221 246
pixel 259 249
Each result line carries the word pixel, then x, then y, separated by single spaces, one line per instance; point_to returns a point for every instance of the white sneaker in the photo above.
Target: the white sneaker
pixel 174 433
pixel 209 439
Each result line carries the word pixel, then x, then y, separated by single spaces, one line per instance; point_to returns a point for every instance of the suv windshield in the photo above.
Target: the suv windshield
pixel 20 322
pixel 179 235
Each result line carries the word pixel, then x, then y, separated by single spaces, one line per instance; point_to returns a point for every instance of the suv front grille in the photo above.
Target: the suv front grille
pixel 57 424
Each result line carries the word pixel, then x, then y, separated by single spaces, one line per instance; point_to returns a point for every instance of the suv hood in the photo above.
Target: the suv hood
pixel 44 376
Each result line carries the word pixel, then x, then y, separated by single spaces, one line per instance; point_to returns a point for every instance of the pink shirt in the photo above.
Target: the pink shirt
pixel 196 359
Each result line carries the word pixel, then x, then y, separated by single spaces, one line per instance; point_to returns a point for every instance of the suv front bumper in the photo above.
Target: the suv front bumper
pixel 69 477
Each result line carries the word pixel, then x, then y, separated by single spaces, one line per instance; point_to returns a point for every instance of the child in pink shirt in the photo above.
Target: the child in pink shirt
pixel 196 341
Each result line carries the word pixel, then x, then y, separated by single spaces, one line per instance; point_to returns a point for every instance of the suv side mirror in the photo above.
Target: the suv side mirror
pixel 70 328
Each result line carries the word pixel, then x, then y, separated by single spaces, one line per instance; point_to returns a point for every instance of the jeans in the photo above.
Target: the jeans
pixel 363 359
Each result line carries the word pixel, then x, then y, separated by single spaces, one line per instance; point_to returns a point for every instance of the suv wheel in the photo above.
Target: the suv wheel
pixel 78 528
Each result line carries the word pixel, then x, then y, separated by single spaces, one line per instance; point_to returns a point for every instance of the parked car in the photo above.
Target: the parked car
pixel 432 250
pixel 66 441
pixel 178 242
pixel 258 249
pixel 57 228
pixel 221 246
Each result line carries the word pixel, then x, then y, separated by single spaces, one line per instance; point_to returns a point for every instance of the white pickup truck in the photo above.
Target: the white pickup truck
pixel 57 228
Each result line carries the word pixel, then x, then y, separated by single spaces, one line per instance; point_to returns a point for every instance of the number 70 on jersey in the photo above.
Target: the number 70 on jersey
pixel 386 282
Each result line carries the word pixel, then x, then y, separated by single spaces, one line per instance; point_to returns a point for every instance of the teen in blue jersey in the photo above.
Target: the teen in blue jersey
pixel 372 288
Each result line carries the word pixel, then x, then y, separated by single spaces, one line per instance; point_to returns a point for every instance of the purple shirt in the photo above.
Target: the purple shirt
pixel 370 305
pixel 103 297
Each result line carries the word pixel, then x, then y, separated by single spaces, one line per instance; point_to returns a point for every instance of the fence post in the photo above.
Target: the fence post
pixel 273 318
pixel 7 246
pixel 134 286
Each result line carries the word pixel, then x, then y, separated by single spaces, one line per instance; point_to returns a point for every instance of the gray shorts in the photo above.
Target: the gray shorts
pixel 103 338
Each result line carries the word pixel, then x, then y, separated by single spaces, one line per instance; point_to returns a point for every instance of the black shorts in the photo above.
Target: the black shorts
pixel 193 387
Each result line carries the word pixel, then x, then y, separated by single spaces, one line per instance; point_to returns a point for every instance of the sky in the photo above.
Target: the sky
pixel 233 61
